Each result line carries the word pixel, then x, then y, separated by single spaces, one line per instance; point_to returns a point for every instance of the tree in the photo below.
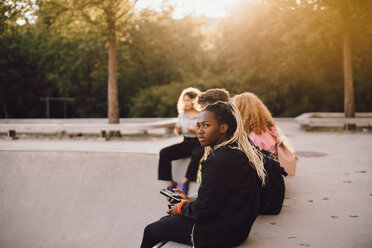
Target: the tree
pixel 10 11
pixel 287 52
pixel 109 17
pixel 351 16
pixel 296 51
pixel 7 13
pixel 160 51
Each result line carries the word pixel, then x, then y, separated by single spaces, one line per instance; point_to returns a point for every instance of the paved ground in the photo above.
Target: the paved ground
pixel 93 193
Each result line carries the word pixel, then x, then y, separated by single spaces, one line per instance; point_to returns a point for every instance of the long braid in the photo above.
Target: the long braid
pixel 229 114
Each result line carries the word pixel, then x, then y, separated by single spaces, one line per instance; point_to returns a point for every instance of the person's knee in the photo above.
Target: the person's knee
pixel 150 231
pixel 163 152
pixel 155 229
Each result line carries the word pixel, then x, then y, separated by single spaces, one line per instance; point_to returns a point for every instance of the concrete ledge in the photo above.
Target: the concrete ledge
pixel 171 244
pixel 86 126
pixel 333 121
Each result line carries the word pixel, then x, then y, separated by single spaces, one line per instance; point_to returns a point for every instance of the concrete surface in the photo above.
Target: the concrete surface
pixel 92 193
pixel 333 120
pixel 93 126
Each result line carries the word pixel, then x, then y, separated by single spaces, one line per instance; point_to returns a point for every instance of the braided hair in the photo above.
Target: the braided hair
pixel 225 112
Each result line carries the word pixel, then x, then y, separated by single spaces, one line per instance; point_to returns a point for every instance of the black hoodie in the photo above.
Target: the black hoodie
pixel 228 200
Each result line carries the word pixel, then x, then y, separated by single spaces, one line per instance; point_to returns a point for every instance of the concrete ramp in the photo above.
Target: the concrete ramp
pixel 78 199
pixel 80 194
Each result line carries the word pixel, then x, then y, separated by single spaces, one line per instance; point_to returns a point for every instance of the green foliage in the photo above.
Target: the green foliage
pixel 10 11
pixel 158 101
pixel 157 52
pixel 18 81
pixel 36 63
pixel 289 55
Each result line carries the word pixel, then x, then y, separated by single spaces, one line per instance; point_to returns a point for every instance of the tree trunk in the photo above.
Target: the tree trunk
pixel 349 102
pixel 112 91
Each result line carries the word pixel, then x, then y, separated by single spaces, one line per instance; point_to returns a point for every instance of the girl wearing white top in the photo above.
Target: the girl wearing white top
pixel 190 145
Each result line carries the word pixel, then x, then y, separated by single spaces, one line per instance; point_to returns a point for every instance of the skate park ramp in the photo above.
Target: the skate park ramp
pixel 80 194
pixel 78 199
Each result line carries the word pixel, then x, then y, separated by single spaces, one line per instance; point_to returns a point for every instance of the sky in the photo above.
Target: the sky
pixel 208 8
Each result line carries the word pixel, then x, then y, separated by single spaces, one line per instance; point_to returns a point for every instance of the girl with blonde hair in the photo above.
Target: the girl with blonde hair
pixel 258 122
pixel 187 113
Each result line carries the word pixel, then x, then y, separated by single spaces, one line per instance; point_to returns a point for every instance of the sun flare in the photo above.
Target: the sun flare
pixel 208 8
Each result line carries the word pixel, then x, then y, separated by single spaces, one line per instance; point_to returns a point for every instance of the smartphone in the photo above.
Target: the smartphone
pixel 171 195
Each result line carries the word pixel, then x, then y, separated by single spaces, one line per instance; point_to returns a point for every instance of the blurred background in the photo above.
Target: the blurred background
pixel 85 58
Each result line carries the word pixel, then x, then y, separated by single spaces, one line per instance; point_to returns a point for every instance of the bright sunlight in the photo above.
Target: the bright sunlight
pixel 208 8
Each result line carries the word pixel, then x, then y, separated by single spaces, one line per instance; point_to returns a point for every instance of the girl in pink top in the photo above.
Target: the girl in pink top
pixel 258 122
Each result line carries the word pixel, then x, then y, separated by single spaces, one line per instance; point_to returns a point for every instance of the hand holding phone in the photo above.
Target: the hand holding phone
pixel 176 198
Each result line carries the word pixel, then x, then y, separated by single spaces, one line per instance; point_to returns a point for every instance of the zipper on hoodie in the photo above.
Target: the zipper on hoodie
pixel 192 236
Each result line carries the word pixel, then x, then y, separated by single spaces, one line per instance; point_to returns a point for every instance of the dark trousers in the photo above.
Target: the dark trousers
pixel 169 228
pixel 190 147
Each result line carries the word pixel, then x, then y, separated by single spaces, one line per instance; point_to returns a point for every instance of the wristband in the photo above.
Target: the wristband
pixel 180 206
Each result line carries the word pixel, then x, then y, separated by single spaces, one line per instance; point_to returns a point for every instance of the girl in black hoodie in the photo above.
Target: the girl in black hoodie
pixel 228 196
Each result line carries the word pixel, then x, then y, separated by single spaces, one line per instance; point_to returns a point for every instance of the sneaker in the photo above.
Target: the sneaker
pixel 184 187
pixel 174 185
